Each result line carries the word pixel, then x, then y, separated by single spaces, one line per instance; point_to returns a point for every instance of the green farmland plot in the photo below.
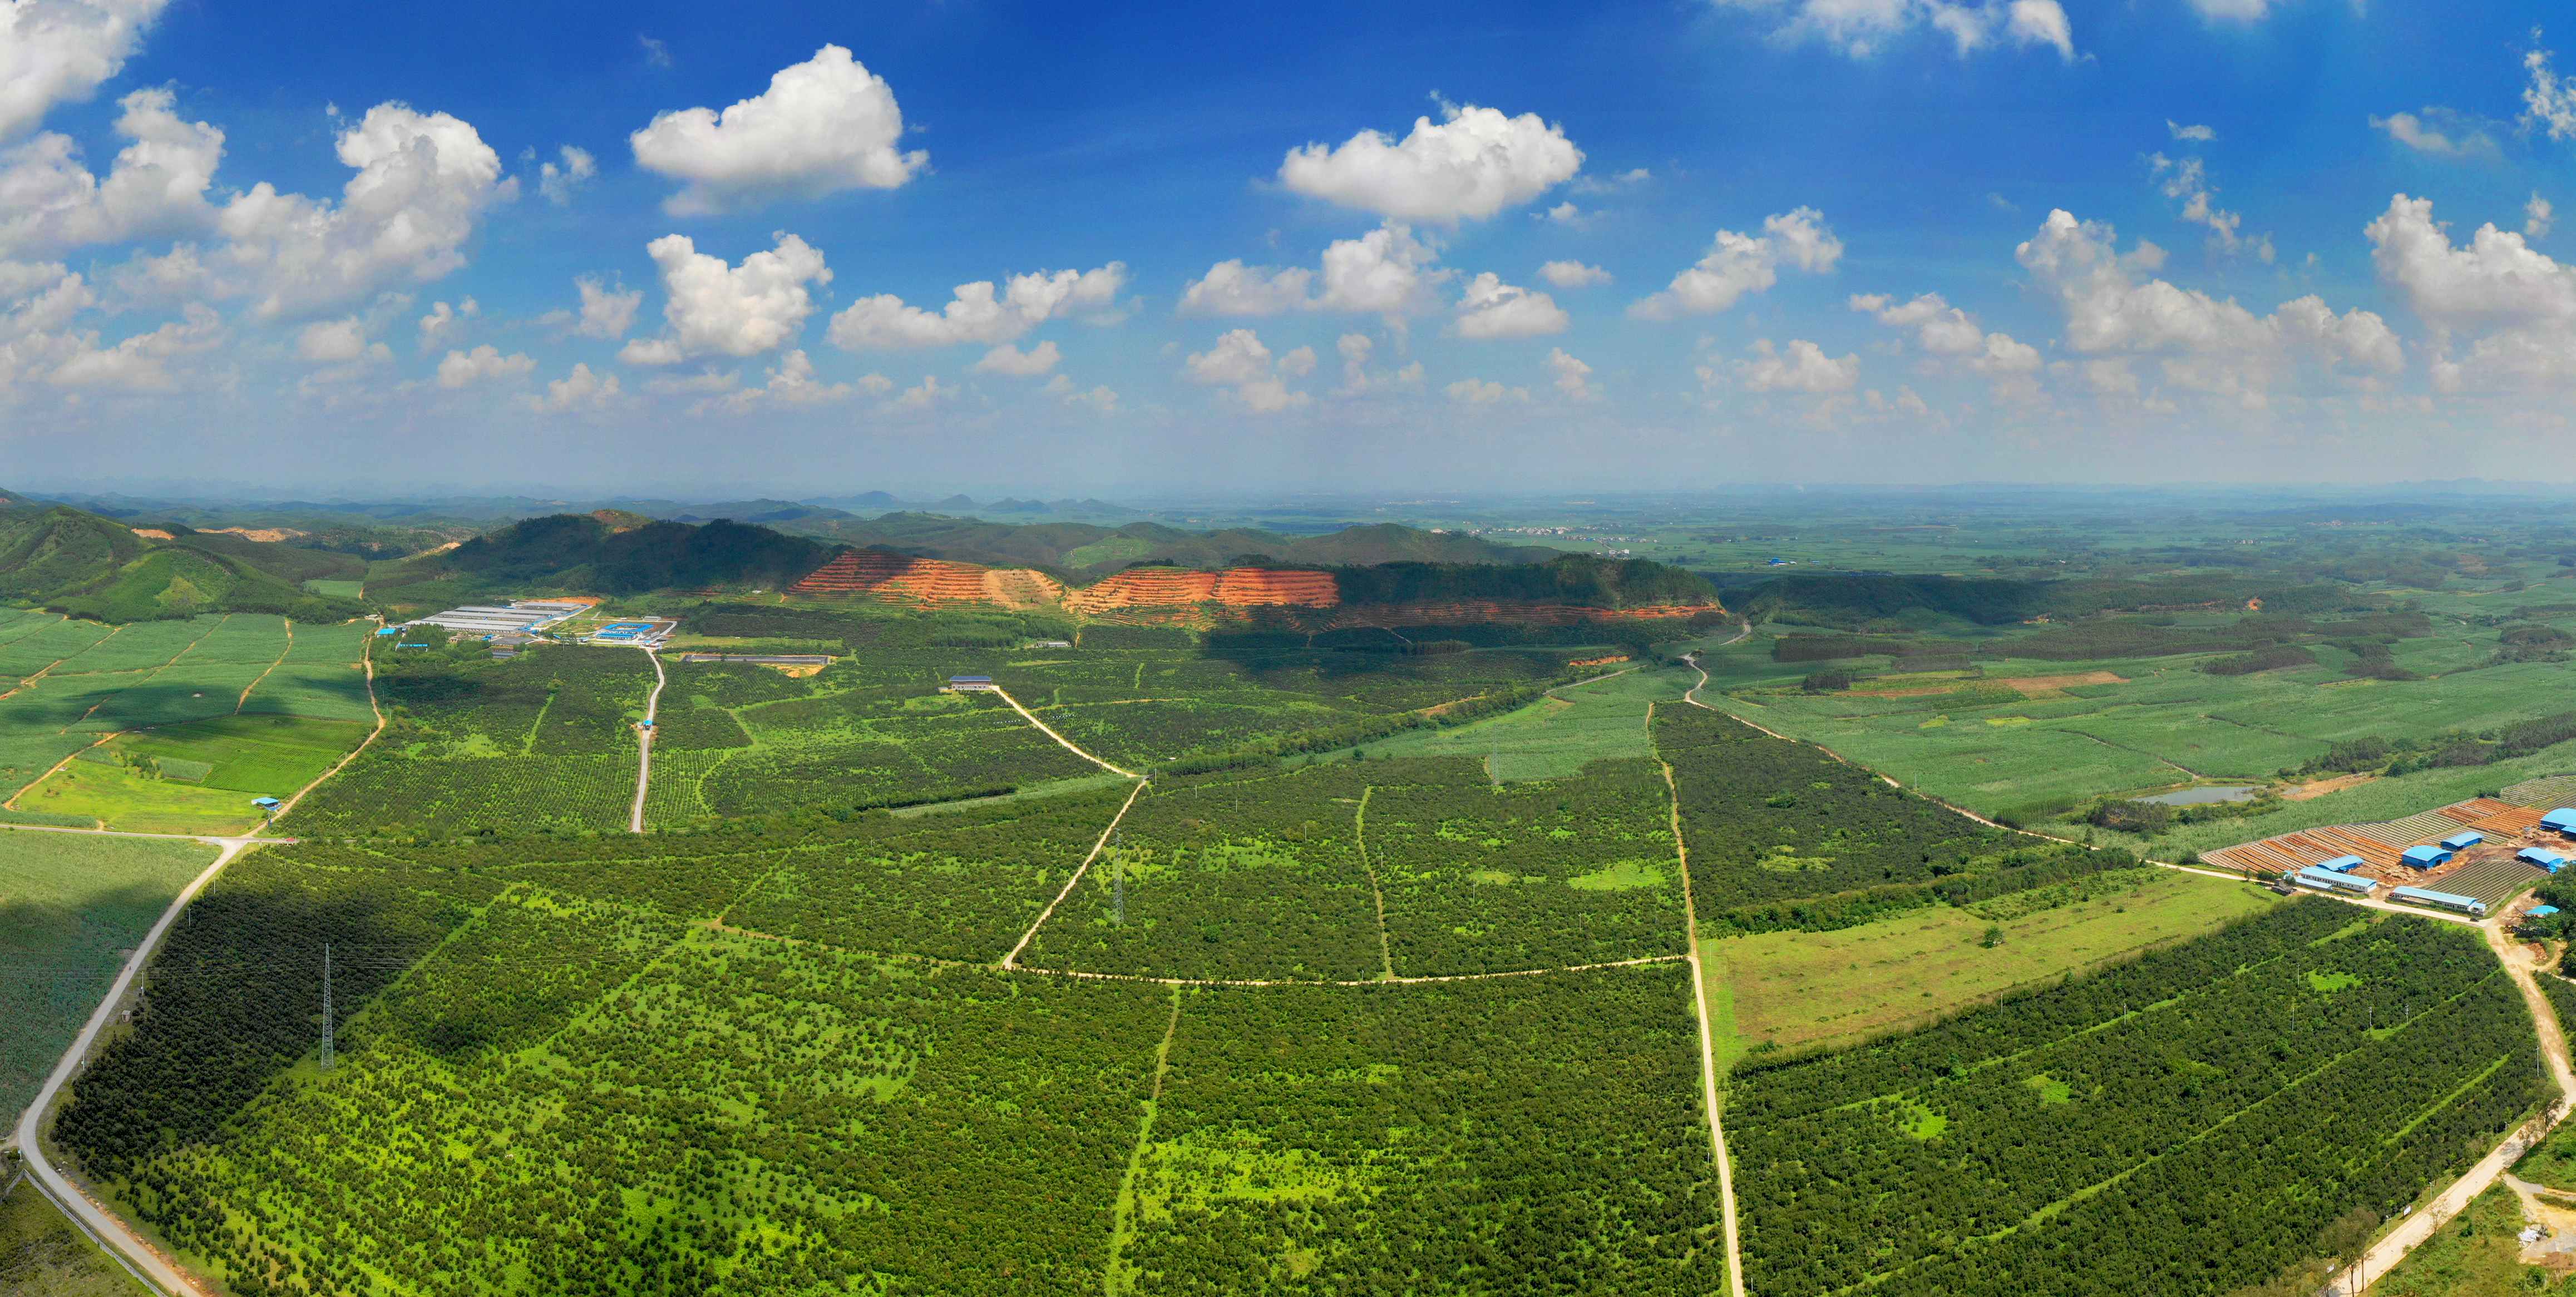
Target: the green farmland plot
pixel 70 907
pixel 1317 1139
pixel 1480 879
pixel 2132 1116
pixel 1258 878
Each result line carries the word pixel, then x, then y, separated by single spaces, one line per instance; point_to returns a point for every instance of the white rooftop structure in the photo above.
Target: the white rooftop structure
pixel 494 619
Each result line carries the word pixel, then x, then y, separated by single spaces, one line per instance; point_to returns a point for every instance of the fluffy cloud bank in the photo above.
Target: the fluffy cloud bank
pixel 978 312
pixel 2202 343
pixel 1386 272
pixel 823 126
pixel 717 309
pixel 57 51
pixel 1240 363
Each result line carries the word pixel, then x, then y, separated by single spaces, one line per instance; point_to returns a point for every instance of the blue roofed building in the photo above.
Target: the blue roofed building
pixel 2541 858
pixel 2463 841
pixel 2451 901
pixel 2340 864
pixel 2540 911
pixel 2562 820
pixel 2426 857
pixel 2327 880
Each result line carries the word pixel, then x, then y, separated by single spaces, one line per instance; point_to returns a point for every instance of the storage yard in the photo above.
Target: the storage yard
pixel 2470 856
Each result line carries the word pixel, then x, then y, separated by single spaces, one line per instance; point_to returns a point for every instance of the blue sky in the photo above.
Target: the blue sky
pixel 1653 245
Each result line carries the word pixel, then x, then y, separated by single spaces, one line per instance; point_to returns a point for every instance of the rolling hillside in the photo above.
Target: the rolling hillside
pixel 88 566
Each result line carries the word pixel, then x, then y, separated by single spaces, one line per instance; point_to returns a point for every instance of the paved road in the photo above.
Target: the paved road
pixel 89 1215
pixel 644 749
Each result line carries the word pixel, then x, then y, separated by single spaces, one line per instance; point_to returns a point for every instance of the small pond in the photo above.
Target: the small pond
pixel 2205 796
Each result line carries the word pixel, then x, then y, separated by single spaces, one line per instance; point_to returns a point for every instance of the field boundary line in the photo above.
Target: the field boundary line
pixel 1123 1216
pixel 244 700
pixel 1359 838
pixel 1069 746
pixel 166 664
pixel 366 658
pixel 1012 959
pixel 1707 1040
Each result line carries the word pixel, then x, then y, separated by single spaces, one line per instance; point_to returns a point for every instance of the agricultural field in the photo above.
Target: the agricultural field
pixel 2032 737
pixel 2479 1253
pixel 71 908
pixel 564 1022
pixel 42 1254
pixel 1796 991
pixel 475 745
pixel 176 696
pixel 1560 733
pixel 2129 1114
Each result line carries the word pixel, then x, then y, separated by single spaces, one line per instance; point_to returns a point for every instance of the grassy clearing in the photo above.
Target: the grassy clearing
pixel 1804 989
pixel 330 589
pixel 73 906
pixel 194 777
pixel 42 1254
pixel 2476 1255
pixel 120 798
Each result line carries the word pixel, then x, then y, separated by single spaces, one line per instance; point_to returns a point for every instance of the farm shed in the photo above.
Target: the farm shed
pixel 2342 864
pixel 2541 858
pixel 2439 900
pixel 970 684
pixel 2326 880
pixel 2562 820
pixel 2425 857
pixel 2463 841
pixel 2540 911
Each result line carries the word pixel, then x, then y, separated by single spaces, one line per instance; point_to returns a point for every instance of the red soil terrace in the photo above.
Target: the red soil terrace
pixel 1172 594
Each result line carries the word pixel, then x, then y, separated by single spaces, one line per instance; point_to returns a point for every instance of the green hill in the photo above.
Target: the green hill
pixel 88 566
pixel 622 554
pixel 1085 552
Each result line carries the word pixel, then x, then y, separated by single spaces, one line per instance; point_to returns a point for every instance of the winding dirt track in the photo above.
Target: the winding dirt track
pixel 644 743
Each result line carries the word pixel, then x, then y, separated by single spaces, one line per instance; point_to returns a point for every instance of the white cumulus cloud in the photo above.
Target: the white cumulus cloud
pixel 338 342
pixel 2204 344
pixel 1738 264
pixel 444 322
pixel 977 312
pixel 1863 28
pixel 1804 367
pixel 60 51
pixel 1240 363
pixel 717 309
pixel 1491 308
pixel 2513 305
pixel 823 126
pixel 1573 274
pixel 1472 164
pixel 2537 216
pixel 582 389
pixel 1573 378
pixel 557 183
pixel 157 185
pixel 463 368
pixel 422 180
pixel 1387 271
pixel 1484 391
pixel 1012 362
pixel 2438 132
